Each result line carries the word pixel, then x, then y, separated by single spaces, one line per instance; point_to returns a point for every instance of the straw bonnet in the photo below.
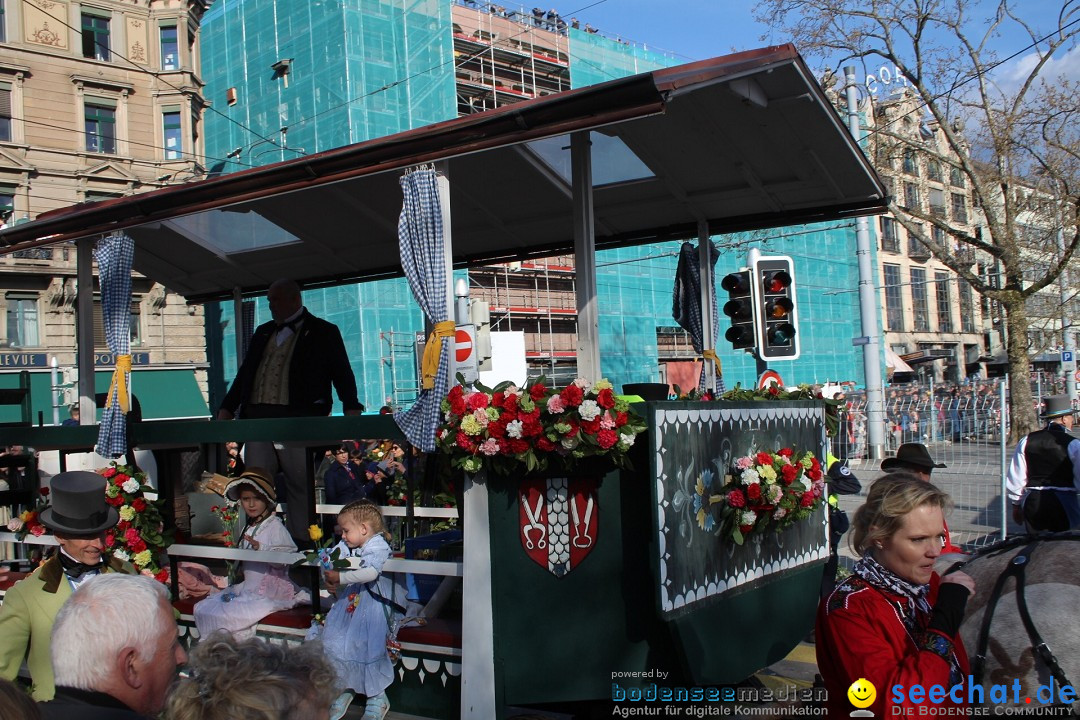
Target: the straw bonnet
pixel 255 478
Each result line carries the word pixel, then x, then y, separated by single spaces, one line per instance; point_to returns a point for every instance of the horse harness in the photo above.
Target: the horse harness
pixel 1015 569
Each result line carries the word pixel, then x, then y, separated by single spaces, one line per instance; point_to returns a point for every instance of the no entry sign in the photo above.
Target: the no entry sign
pixel 465 354
pixel 463 345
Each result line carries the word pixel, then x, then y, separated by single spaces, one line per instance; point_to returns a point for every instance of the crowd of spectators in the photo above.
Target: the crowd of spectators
pixel 945 413
pixel 544 19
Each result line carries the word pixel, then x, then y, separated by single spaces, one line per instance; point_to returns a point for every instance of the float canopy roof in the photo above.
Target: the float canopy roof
pixel 744 141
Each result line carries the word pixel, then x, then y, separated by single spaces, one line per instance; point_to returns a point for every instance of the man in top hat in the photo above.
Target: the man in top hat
pixel 914 458
pixel 78 517
pixel 1044 475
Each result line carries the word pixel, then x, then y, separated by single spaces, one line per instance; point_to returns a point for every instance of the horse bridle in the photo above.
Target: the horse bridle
pixel 1016 568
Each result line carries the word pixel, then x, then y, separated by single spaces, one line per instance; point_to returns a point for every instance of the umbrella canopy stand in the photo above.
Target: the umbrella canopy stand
pixel 588 324
pixel 708 301
pixel 84 309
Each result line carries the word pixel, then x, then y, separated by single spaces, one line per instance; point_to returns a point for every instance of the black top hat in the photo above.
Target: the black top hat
pixel 911 455
pixel 1055 406
pixel 78 504
pixel 258 480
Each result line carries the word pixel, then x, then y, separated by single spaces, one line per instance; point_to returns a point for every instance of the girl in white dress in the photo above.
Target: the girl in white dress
pixel 356 627
pixel 266 587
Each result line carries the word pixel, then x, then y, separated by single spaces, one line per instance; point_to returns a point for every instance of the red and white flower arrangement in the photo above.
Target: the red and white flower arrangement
pixel 765 492
pixel 509 429
pixel 139 537
pixel 27 522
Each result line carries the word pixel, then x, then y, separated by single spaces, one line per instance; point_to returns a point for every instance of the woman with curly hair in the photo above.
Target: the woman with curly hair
pixel 231 679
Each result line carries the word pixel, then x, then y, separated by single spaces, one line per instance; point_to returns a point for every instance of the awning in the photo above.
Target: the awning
pixel 895 363
pixel 171 393
pixel 738 142
pixel 928 355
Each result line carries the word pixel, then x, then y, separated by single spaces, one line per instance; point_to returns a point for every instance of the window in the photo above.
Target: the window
pixel 7 203
pixel 937 202
pixel 5 111
pixel 890 241
pixel 100 128
pixel 911 196
pixel 959 208
pixel 944 304
pixel 919 306
pixel 956 177
pixel 3 23
pixel 894 304
pixel 938 234
pixel 22 320
pixel 173 134
pixel 99 326
pixel 170 48
pixel 911 165
pixel 95 37
pixel 967 308
pixel 933 170
pixel 915 248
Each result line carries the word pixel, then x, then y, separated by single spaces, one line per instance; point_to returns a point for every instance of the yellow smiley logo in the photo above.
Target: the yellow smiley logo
pixel 862 693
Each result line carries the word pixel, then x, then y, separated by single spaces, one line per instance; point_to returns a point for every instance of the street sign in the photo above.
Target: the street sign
pixel 864 340
pixel 769 377
pixel 464 353
pixel 463 346
pixel 1077 376
pixel 1067 356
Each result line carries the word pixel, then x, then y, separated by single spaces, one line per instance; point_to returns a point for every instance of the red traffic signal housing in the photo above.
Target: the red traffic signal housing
pixel 740 307
pixel 776 324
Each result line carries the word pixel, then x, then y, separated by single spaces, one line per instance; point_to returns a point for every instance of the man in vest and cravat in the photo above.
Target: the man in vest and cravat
pixel 288 371
pixel 1044 475
pixel 78 517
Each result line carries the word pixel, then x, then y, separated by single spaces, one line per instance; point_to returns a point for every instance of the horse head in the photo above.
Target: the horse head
pixel 1019 628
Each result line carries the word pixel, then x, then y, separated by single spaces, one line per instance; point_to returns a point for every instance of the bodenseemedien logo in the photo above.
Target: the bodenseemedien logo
pixel 862 695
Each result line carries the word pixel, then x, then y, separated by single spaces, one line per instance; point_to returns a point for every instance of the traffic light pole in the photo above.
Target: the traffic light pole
pixel 875 398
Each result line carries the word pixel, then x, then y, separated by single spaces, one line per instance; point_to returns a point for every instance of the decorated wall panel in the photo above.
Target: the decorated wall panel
pixel 694 449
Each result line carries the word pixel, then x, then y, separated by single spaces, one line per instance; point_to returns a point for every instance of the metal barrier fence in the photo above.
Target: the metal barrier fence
pixel 964 428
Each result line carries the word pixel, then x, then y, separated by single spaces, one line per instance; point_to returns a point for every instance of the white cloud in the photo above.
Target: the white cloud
pixel 1062 67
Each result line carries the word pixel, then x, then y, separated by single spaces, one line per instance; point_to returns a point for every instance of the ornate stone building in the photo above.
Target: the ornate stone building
pixel 97 100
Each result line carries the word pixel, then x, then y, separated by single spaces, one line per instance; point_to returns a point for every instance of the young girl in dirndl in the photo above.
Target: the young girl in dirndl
pixel 266 587
pixel 356 627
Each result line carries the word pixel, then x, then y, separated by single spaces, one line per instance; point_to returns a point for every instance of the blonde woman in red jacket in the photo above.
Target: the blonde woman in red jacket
pixel 895 622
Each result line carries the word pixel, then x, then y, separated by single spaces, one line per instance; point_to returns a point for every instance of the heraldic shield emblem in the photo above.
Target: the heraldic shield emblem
pixel 559 520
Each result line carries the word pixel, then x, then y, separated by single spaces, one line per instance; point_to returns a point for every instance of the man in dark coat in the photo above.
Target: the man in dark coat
pixel 110 665
pixel 345 480
pixel 288 371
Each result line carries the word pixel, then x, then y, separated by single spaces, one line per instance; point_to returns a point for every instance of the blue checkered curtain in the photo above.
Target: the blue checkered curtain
pixel 420 240
pixel 686 305
pixel 114 255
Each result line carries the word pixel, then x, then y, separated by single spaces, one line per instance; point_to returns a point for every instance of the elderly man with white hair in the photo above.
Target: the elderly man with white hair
pixel 115 650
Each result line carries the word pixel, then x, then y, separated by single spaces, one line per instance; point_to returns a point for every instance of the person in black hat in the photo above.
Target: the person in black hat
pixel 915 459
pixel 78 517
pixel 841 481
pixel 1044 475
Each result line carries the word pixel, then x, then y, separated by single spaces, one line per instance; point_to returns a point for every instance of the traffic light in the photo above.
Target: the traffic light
pixel 740 308
pixel 776 325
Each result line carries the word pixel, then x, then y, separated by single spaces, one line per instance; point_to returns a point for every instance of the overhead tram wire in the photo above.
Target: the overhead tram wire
pixel 188 155
pixel 158 76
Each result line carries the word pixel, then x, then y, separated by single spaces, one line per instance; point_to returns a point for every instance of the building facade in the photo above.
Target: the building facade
pixel 97 100
pixel 293 82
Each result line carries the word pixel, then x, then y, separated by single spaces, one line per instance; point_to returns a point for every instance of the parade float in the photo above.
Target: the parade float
pixel 689 545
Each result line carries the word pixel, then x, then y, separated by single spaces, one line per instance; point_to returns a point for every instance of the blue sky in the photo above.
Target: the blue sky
pixel 698 29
